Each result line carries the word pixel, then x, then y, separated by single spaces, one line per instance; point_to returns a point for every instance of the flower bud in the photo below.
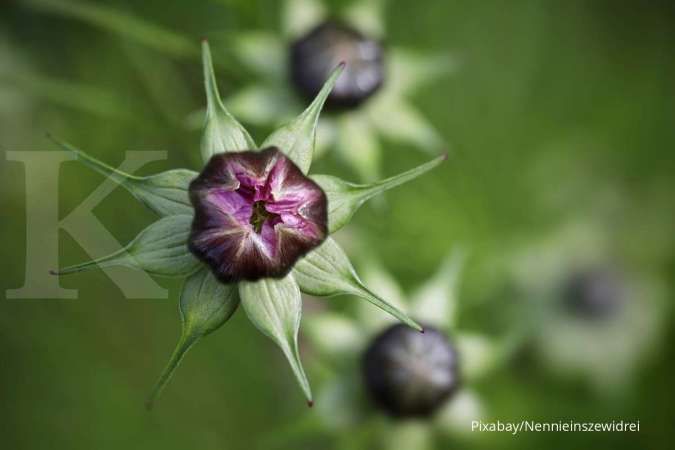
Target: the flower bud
pixel 594 294
pixel 408 373
pixel 315 55
pixel 256 213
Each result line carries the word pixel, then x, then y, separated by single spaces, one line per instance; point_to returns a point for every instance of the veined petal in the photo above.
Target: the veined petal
pixel 345 198
pixel 165 193
pixel 296 139
pixel 205 305
pixel 326 271
pixel 222 132
pixel 161 249
pixel 274 306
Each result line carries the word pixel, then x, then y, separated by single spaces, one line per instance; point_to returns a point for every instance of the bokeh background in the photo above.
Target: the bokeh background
pixel 559 113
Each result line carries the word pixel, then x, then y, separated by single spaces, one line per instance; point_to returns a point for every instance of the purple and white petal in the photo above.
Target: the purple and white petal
pixel 256 213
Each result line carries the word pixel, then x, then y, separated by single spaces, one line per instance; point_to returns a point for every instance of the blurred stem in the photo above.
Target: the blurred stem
pixel 121 23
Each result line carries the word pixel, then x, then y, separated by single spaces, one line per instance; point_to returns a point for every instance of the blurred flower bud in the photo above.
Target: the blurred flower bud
pixel 408 373
pixel 315 54
pixel 594 294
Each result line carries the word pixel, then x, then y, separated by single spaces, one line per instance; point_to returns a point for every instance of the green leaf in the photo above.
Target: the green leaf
pixel 205 305
pixel 274 306
pixel 326 271
pixel 134 28
pixel 160 249
pixel 222 132
pixel 296 139
pixel 165 193
pixel 345 198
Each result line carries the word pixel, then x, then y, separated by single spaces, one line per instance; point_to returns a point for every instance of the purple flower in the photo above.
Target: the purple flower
pixel 255 215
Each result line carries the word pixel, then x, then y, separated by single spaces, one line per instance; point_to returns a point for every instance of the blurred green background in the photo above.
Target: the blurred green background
pixel 556 107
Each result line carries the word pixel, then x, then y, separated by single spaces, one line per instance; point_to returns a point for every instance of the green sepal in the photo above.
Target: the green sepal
pixel 222 132
pixel 205 305
pixel 345 198
pixel 165 193
pixel 326 271
pixel 296 139
pixel 274 306
pixel 160 249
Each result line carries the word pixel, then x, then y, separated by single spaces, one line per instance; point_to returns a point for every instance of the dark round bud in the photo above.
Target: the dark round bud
pixel 594 294
pixel 316 54
pixel 408 373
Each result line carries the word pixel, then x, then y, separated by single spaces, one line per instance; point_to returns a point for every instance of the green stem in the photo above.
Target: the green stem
pixel 104 169
pixel 114 259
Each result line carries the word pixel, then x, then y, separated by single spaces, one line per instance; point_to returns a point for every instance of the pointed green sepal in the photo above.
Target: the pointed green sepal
pixel 326 271
pixel 222 132
pixel 345 198
pixel 296 139
pixel 205 305
pixel 274 306
pixel 160 249
pixel 165 193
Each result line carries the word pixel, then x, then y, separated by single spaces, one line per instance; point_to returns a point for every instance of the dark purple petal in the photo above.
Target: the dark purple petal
pixel 256 213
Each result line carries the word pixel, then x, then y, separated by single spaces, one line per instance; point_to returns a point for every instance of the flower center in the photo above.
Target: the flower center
pixel 259 215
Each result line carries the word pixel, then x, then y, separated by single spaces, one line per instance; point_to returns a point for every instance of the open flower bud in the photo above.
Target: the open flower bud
pixel 314 56
pixel 408 373
pixel 594 294
pixel 256 213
